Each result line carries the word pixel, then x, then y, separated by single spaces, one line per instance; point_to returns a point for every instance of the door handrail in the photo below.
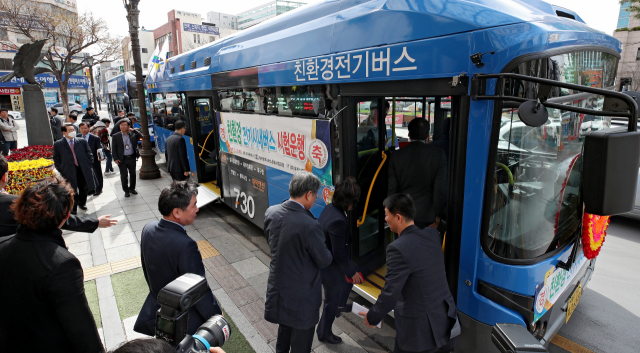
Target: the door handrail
pixel 375 176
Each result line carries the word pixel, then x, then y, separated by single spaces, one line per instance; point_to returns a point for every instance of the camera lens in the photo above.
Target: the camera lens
pixel 215 332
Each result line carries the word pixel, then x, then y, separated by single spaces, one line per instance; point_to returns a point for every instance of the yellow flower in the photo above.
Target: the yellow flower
pixel 30 164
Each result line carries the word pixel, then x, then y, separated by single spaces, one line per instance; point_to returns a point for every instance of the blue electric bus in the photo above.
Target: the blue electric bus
pixel 310 89
pixel 122 94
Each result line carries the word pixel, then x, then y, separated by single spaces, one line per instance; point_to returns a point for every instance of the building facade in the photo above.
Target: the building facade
pixel 265 11
pixel 104 72
pixel 222 20
pixel 628 33
pixel 147 46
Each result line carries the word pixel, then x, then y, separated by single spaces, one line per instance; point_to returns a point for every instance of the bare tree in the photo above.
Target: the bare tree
pixel 69 36
pixel 632 71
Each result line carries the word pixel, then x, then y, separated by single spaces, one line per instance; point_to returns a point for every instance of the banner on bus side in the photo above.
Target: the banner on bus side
pixel 287 144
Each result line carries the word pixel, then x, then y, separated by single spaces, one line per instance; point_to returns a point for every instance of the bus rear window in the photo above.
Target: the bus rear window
pixel 535 200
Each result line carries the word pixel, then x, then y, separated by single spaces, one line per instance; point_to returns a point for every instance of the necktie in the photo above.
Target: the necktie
pixel 73 150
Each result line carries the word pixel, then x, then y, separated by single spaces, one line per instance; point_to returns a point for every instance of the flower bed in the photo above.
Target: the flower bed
pixel 30 153
pixel 24 173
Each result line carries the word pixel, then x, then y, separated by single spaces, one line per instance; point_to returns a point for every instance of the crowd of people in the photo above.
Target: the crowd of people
pixel 307 254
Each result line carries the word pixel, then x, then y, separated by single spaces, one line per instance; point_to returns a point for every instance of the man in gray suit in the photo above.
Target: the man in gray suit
pixel 298 253
pixel 416 284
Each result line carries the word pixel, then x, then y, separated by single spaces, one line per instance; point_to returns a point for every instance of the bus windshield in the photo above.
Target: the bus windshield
pixel 535 204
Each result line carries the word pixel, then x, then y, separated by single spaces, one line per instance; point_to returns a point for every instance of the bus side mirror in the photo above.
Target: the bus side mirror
pixel 610 171
pixel 514 338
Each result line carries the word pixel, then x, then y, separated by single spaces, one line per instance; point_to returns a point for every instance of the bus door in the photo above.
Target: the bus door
pixel 374 128
pixel 205 138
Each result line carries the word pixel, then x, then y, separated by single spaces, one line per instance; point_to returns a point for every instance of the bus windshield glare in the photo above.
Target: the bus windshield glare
pixel 535 198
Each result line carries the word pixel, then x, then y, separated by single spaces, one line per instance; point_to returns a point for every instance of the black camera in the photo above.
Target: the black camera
pixel 172 319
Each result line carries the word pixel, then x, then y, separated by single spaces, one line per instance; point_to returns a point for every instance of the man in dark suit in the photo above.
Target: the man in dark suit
pixel 72 158
pixel 298 253
pixel 125 154
pixel 90 117
pixel 420 170
pixel 56 124
pixel 176 153
pixel 94 145
pixel 443 141
pixel 168 252
pixel 9 225
pixel 416 285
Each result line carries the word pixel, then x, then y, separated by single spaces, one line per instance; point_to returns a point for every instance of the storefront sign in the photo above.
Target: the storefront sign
pixel 16 103
pixel 5 91
pixel 50 98
pixel 49 80
pixel 191 27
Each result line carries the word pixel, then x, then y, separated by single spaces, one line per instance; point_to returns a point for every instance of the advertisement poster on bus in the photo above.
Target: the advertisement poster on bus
pixel 284 143
pixel 555 283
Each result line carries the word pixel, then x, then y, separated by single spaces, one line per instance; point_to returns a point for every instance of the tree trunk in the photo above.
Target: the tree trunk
pixel 64 97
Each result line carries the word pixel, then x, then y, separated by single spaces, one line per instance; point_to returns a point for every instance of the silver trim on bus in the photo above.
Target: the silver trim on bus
pixel 370 298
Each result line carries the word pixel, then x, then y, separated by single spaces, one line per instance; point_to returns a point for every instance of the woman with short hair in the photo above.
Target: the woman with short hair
pixel 42 282
pixel 339 277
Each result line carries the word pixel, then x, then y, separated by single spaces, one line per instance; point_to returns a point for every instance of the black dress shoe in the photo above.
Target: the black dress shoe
pixel 333 339
pixel 83 207
pixel 126 194
pixel 346 309
pixel 134 192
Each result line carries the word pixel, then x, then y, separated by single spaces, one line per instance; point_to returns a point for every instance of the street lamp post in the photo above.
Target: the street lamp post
pixel 149 169
pixel 89 60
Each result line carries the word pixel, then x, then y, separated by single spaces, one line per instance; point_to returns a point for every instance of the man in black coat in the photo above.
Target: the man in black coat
pixel 416 285
pixel 73 159
pixel 56 124
pixel 420 170
pixel 443 141
pixel 94 145
pixel 116 121
pixel 167 253
pixel 298 253
pixel 90 117
pixel 176 153
pixel 125 154
pixel 9 225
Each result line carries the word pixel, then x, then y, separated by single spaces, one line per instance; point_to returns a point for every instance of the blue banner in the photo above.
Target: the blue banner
pixel 49 80
pixel 191 27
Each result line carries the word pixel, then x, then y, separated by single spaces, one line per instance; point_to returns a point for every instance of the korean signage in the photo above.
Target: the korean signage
pixel 556 282
pixel 5 91
pixel 8 47
pixel 191 27
pixel 187 14
pixel 49 80
pixel 50 98
pixel 286 144
pixel 112 87
pixel 16 103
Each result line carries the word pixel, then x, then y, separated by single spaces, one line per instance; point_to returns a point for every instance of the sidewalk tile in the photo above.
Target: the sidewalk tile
pixel 204 222
pixel 250 267
pixel 126 264
pixel 366 343
pixel 233 283
pixel 209 252
pixel 244 296
pixel 348 345
pixel 139 225
pixel 213 284
pixel 118 215
pixel 123 252
pixel 113 333
pixel 104 287
pixel 243 325
pixel 133 217
pixel 264 258
pixel 244 241
pixel 230 248
pixel 117 229
pixel 217 261
pixel 135 209
pixel 139 235
pixel 81 248
pixel 254 311
pixel 97 271
pixel 267 330
pixel 97 248
pixel 195 235
pixel 212 232
pixel 157 214
pixel 75 237
pixel 128 324
pixel 258 344
pixel 259 283
pixel 221 273
pixel 131 201
pixel 111 205
pixel 86 260
pixel 119 239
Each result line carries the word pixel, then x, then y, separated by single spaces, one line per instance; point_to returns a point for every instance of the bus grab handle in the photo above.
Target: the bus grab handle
pixel 375 176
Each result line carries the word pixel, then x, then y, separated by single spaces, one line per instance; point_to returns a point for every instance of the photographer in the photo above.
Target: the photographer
pixel 42 281
pixel 152 345
pixel 167 252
